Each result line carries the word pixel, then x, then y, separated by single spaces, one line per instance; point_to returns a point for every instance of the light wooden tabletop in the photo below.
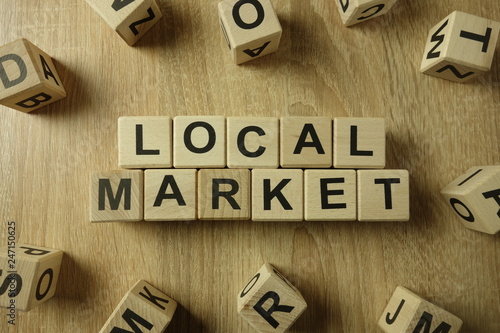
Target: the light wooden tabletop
pixel 346 271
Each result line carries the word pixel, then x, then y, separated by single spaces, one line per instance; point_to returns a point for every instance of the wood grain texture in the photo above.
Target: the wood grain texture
pixel 346 271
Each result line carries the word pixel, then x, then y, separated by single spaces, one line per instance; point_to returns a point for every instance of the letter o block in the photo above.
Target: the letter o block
pixel 269 302
pixel 28 77
pixel 357 11
pixel 28 275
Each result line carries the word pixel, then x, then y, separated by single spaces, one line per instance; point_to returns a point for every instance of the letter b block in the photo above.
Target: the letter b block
pixel 357 11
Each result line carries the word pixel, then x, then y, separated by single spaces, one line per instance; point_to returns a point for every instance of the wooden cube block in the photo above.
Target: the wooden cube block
pixel 330 195
pixel 383 195
pixel 359 143
pixel 145 142
pixel 269 302
pixel 143 309
pixel 170 195
pixel 131 19
pixel 199 142
pixel 29 79
pixel 277 195
pixel 357 11
pixel 250 27
pixel 306 142
pixel 252 142
pixel 460 47
pixel 408 313
pixel 117 196
pixel 33 272
pixel 475 197
pixel 224 194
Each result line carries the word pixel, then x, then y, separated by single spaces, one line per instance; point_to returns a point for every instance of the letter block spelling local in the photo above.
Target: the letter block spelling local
pixel 357 11
pixel 29 79
pixel 143 309
pixel 475 197
pixel 460 47
pixel 131 19
pixel 269 302
pixel 250 27
pixel 408 313
pixel 35 279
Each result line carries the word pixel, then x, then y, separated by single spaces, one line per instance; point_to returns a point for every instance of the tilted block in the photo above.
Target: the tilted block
pixel 131 19
pixel 143 309
pixel 475 197
pixel 28 275
pixel 250 27
pixel 460 47
pixel 29 79
pixel 406 312
pixel 269 302
pixel 357 11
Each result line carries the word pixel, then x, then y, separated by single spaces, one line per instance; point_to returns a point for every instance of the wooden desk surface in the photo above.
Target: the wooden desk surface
pixel 346 271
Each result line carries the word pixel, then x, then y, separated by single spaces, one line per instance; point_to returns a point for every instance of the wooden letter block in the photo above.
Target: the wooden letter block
pixel 357 11
pixel 117 196
pixel 269 302
pixel 252 142
pixel 359 143
pixel 250 27
pixel 460 47
pixel 383 195
pixel 143 309
pixel 277 195
pixel 475 197
pixel 170 195
pixel 131 19
pixel 306 142
pixel 199 142
pixel 29 273
pixel 28 77
pixel 330 195
pixel 408 313
pixel 224 194
pixel 145 142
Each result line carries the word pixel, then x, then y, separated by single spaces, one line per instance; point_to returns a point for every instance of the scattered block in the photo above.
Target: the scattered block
pixel 475 197
pixel 357 11
pixel 460 47
pixel 306 142
pixel 359 143
pixel 29 79
pixel 252 142
pixel 143 309
pixel 383 195
pixel 131 19
pixel 250 27
pixel 33 272
pixel 269 302
pixel 117 196
pixel 408 313
pixel 170 195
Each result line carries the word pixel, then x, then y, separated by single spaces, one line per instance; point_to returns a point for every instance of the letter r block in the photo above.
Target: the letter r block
pixel 269 302
pixel 357 11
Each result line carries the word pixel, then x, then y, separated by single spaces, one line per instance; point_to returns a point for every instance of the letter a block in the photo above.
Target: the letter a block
pixel 460 47
pixel 35 279
pixel 143 309
pixel 357 11
pixel 475 197
pixel 408 313
pixel 28 77
pixel 251 28
pixel 269 302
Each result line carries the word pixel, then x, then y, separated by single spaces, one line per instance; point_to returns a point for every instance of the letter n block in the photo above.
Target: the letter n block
pixel 29 79
pixel 475 197
pixel 28 275
pixel 408 313
pixel 269 302
pixel 357 11
pixel 143 309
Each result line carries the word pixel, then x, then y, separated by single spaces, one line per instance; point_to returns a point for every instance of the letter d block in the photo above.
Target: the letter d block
pixel 37 271
pixel 269 302
pixel 28 77
pixel 357 11
pixel 143 309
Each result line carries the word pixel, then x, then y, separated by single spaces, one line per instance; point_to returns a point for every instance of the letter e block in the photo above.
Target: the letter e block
pixel 357 11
